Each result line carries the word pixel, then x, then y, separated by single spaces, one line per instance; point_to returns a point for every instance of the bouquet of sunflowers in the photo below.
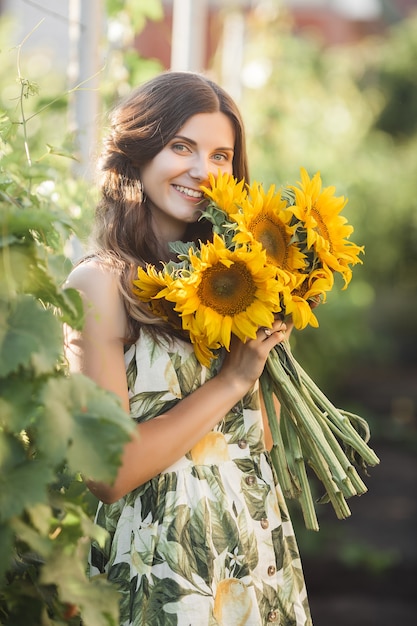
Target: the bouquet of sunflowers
pixel 273 252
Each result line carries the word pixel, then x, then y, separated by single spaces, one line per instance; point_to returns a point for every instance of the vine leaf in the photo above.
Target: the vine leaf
pixel 67 571
pixel 23 485
pixel 30 336
pixel 84 424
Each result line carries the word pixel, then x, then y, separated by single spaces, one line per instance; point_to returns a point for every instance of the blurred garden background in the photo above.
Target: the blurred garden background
pixel 326 85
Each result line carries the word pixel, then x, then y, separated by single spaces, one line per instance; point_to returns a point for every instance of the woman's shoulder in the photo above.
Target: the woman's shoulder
pixel 99 286
pixel 92 273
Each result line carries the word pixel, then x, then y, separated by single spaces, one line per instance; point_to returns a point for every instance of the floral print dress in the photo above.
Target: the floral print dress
pixel 207 542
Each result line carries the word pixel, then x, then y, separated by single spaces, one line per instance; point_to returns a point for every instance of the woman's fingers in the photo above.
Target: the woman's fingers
pixel 278 327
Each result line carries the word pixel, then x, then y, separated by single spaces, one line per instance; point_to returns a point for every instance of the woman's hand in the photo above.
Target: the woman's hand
pixel 245 361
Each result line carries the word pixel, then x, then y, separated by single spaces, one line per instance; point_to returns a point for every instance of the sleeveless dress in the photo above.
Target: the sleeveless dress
pixel 208 542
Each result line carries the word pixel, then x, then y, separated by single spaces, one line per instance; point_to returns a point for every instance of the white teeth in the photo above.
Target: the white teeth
pixel 189 192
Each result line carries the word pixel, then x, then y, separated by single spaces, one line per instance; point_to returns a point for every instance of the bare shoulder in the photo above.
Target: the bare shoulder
pixel 91 273
pixel 98 285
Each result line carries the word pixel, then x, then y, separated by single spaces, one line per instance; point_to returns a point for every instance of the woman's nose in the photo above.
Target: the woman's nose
pixel 201 168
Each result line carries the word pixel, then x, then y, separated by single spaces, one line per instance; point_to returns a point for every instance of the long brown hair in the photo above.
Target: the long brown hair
pixel 140 127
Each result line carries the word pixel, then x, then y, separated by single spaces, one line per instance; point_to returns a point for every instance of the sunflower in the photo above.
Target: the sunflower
pixel 227 291
pixel 326 230
pixel 265 218
pixel 225 192
pixel 306 288
pixel 204 351
pixel 153 286
pixel 151 283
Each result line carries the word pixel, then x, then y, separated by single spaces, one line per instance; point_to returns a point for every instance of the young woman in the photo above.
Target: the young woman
pixel 199 533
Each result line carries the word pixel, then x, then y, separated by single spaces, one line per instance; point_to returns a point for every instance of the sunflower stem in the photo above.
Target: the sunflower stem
pixel 305 498
pixel 357 483
pixel 332 492
pixel 354 484
pixel 340 419
pixel 286 478
pixel 301 412
pixel 312 425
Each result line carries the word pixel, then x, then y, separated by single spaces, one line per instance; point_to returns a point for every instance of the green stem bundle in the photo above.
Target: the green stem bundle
pixel 308 432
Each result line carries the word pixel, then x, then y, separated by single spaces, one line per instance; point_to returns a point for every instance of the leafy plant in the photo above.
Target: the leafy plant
pixel 54 427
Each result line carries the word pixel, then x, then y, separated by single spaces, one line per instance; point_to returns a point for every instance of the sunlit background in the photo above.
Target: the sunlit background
pixel 330 85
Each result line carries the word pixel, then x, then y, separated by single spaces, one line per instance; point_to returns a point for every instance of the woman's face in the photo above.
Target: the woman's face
pixel 172 179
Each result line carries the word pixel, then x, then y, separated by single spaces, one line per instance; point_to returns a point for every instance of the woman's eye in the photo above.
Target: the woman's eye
pixel 220 157
pixel 180 147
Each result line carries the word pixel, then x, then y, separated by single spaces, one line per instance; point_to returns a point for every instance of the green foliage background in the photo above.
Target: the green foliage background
pixel 350 113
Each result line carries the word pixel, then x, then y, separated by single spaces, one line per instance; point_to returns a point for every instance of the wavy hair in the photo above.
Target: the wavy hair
pixel 140 127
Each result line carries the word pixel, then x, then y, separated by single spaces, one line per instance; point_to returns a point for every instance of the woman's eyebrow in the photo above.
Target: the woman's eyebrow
pixel 194 143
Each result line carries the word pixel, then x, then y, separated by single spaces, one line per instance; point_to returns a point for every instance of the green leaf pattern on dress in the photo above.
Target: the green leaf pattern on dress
pixel 208 542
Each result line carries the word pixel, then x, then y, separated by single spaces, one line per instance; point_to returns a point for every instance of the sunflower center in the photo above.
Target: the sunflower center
pixel 321 226
pixel 273 238
pixel 227 290
pixel 302 289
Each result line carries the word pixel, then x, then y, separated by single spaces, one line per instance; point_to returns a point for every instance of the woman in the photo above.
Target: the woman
pixel 199 532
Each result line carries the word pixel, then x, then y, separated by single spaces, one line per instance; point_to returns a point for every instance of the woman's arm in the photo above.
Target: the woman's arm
pixel 97 351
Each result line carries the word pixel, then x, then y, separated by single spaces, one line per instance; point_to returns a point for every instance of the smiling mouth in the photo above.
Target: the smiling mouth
pixel 191 193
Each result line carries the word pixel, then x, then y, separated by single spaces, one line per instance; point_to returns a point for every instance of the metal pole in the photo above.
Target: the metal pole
pixel 189 23
pixel 232 52
pixel 85 33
